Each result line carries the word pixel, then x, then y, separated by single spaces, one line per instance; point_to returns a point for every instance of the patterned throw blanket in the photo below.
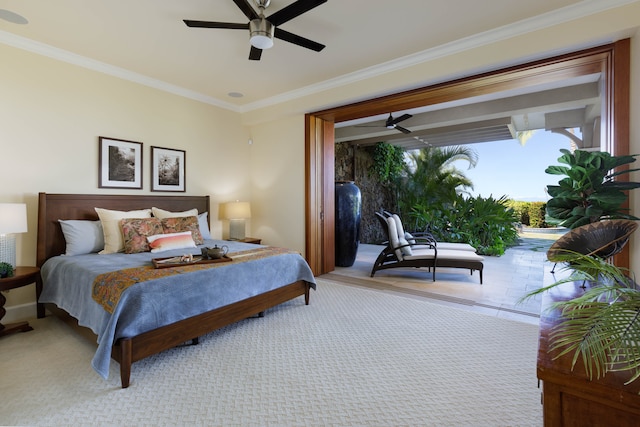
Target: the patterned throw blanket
pixel 108 287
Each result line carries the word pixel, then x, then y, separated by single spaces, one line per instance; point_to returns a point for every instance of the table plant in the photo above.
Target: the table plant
pixel 602 326
pixel 6 270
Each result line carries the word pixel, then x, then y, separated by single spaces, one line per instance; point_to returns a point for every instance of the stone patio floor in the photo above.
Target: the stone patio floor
pixel 506 279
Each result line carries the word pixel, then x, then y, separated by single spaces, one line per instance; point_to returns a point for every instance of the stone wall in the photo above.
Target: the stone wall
pixel 353 163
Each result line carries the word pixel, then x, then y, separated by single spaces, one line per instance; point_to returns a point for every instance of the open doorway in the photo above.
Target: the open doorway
pixel 613 61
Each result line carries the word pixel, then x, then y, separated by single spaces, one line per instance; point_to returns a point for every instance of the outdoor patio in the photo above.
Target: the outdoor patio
pixel 506 279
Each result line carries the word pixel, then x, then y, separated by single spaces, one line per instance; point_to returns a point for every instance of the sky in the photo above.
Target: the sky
pixel 508 168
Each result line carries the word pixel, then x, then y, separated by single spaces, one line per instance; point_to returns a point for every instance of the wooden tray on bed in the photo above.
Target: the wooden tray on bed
pixel 197 259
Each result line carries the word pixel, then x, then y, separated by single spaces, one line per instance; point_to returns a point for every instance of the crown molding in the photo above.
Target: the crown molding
pixel 565 14
pixel 91 64
pixel 559 16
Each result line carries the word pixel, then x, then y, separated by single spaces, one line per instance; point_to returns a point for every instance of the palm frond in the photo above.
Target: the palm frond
pixel 601 328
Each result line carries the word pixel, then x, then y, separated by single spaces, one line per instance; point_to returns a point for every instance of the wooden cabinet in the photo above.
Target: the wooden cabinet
pixel 569 397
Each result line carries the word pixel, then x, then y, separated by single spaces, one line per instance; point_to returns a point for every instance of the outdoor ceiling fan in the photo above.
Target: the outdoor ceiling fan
pixel 262 30
pixel 392 123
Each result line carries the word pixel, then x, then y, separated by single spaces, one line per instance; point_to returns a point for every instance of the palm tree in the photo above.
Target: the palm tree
pixel 432 179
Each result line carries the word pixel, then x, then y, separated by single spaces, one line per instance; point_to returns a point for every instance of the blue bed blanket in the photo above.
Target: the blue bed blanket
pixel 68 282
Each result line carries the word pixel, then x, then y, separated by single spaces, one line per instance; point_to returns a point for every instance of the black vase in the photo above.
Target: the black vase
pixel 347 219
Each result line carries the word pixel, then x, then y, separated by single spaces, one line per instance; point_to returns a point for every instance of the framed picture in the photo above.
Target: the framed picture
pixel 119 163
pixel 167 169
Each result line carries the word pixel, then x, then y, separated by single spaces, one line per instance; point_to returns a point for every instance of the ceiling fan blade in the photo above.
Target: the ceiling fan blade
pixel 247 9
pixel 401 129
pixel 255 54
pixel 210 24
pixel 298 40
pixel 293 10
pixel 401 118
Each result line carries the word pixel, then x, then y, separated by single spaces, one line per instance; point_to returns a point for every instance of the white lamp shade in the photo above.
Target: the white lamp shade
pixel 13 218
pixel 237 210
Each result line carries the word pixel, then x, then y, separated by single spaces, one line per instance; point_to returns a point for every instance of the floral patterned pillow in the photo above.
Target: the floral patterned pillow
pixel 183 223
pixel 135 232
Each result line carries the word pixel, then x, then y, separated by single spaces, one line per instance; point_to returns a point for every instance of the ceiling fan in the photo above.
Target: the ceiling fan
pixel 392 123
pixel 262 30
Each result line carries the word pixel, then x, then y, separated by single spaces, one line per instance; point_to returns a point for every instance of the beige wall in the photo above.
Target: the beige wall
pixel 52 113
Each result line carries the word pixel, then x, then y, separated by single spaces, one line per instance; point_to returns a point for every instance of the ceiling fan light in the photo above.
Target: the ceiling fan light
pixel 261 33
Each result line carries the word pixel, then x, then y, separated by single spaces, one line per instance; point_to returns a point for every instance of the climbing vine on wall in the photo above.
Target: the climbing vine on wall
pixel 388 162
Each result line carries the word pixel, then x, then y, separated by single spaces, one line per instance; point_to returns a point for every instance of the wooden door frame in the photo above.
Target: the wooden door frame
pixel 613 60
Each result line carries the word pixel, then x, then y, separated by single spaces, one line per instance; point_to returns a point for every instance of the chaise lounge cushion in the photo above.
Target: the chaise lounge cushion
pixel 396 241
pixel 410 239
pixel 453 255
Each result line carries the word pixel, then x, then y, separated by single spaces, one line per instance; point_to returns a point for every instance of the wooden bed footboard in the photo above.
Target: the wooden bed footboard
pixel 126 351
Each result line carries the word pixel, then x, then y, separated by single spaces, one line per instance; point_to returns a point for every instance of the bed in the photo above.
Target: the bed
pixel 151 316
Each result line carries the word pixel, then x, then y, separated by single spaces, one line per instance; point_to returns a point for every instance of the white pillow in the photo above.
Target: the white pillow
pixel 399 227
pixel 406 250
pixel 165 242
pixel 203 221
pixel 409 237
pixel 82 236
pixel 113 241
pixel 203 224
pixel 161 213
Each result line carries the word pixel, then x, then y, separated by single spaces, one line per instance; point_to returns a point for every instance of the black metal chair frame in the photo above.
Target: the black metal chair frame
pixel 388 259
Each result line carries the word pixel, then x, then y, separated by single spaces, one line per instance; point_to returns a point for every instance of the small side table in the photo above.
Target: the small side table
pixel 21 276
pixel 252 240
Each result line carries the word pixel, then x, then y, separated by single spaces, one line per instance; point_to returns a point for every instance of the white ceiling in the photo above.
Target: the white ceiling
pixel 148 37
pixel 147 41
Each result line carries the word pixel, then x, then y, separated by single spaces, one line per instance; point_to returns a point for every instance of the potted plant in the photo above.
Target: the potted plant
pixel 590 191
pixel 602 326
pixel 6 270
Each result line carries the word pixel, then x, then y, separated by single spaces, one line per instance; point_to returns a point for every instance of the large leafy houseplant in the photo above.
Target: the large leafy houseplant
pixel 590 191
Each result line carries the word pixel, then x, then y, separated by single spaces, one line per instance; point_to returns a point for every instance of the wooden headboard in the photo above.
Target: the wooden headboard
pixel 52 207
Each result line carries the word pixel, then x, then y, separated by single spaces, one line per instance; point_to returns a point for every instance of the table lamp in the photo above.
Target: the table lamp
pixel 236 213
pixel 13 219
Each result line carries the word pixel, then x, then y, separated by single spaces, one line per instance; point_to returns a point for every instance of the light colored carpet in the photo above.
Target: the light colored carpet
pixel 352 357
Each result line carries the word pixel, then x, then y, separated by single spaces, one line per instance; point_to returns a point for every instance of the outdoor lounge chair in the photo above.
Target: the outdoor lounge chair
pixel 422 252
pixel 410 237
pixel 400 254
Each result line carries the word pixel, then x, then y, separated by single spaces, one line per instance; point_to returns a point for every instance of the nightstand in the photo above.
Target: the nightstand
pixel 22 276
pixel 250 240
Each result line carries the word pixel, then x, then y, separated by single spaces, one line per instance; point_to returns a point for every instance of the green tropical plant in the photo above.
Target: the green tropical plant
pixel 388 162
pixel 6 269
pixel 601 327
pixel 488 224
pixel 590 191
pixel 431 177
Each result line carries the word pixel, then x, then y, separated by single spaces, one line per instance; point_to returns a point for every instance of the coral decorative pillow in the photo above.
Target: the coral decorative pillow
pixel 110 220
pixel 165 242
pixel 135 232
pixel 184 223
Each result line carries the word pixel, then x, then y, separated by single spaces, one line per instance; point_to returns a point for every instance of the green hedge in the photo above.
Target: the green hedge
pixel 529 213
